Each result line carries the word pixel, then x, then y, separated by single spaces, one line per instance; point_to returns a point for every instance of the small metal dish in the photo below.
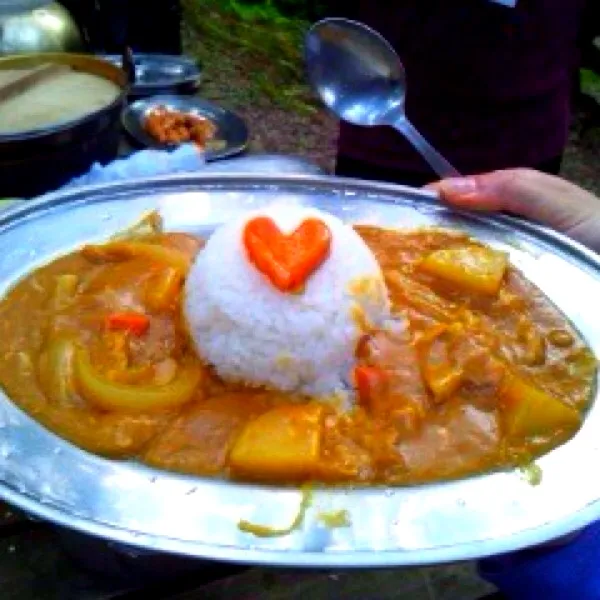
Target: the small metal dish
pixel 160 74
pixel 231 135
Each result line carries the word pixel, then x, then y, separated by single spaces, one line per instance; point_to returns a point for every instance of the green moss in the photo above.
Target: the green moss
pixel 590 81
pixel 248 52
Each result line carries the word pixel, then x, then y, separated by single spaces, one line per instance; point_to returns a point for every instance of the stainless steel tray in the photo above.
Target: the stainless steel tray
pixel 161 511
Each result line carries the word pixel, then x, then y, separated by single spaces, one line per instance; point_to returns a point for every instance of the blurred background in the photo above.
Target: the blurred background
pixel 250 53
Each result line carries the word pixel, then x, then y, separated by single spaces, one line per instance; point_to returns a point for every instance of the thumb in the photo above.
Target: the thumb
pixel 536 196
pixel 476 192
pixel 525 192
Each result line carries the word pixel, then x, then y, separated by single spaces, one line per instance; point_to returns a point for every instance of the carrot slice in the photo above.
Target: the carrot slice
pixel 136 323
pixel 287 260
pixel 369 381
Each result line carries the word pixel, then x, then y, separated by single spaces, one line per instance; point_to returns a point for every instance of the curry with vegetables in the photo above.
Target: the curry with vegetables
pixel 482 371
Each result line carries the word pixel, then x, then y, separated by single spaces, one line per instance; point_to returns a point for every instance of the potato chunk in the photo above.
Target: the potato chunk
pixel 282 444
pixel 529 411
pixel 471 268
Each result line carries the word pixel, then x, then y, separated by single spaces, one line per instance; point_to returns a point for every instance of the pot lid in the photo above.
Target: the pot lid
pixel 18 6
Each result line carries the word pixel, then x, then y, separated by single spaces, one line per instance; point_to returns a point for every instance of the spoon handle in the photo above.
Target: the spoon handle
pixel 436 161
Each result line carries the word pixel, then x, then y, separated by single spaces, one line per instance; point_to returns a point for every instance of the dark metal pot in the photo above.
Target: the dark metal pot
pixel 36 162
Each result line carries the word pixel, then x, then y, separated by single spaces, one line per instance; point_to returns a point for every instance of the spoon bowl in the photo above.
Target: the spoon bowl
pixel 360 78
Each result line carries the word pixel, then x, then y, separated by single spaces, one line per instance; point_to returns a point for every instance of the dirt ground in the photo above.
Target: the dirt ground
pixel 276 130
pixel 314 137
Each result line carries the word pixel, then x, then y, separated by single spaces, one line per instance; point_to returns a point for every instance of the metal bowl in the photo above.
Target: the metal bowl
pixel 41 160
pixel 160 74
pixel 165 512
pixel 32 26
pixel 231 129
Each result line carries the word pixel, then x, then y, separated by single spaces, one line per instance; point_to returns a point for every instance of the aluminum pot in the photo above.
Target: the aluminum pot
pixel 32 26
pixel 36 162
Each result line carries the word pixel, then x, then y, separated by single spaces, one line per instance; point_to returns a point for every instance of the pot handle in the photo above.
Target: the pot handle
pixel 128 63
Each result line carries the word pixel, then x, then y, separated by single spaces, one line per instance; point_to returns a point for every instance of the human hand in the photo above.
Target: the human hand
pixel 537 196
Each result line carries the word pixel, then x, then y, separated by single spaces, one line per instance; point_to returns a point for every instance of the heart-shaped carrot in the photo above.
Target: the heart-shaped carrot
pixel 287 260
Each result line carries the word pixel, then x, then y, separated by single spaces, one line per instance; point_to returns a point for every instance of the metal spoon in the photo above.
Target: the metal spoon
pixel 360 78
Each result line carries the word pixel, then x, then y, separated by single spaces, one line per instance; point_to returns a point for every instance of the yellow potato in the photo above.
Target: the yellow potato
pixel 283 444
pixel 471 268
pixel 529 411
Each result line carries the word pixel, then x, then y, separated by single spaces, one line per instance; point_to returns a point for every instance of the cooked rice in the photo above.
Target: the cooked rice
pixel 304 343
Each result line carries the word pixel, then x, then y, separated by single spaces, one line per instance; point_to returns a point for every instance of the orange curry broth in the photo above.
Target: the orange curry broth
pixel 400 431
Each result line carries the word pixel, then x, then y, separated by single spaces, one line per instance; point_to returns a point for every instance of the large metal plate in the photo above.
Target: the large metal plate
pixel 157 510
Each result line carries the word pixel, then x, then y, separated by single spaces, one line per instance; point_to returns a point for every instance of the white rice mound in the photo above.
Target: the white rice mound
pixel 304 343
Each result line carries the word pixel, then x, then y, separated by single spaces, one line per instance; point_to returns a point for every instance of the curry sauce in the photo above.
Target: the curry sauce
pixel 476 373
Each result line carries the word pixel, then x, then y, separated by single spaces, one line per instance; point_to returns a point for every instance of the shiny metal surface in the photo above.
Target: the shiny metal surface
pixel 161 511
pixel 32 26
pixel 161 74
pixel 277 164
pixel 231 129
pixel 360 78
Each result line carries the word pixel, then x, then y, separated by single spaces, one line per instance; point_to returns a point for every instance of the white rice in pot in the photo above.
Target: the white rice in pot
pixel 297 342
